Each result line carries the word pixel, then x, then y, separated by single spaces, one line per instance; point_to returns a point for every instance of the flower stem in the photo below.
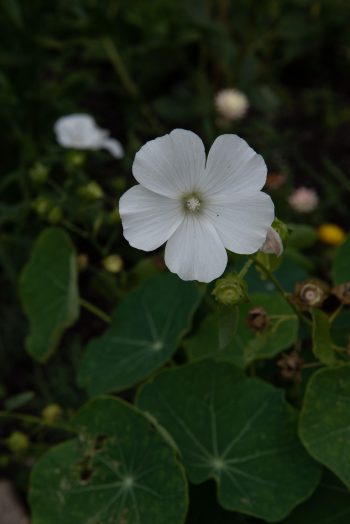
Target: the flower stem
pixel 31 419
pixel 95 310
pixel 281 291
pixel 245 268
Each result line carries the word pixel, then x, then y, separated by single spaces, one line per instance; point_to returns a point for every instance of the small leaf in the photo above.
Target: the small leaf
pixel 119 470
pixel 329 504
pixel 341 263
pixel 248 345
pixel 239 431
pixel 145 332
pixel 321 338
pixel 49 292
pixel 325 419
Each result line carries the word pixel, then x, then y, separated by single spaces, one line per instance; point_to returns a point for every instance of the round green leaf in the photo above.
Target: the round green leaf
pixel 120 470
pixel 145 332
pixel 341 263
pixel 239 431
pixel 325 419
pixel 330 504
pixel 49 292
pixel 248 345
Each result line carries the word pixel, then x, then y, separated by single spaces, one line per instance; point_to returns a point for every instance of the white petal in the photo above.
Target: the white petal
pixel 148 219
pixel 232 167
pixel 114 147
pixel 195 251
pixel 243 223
pixel 273 243
pixel 79 131
pixel 172 164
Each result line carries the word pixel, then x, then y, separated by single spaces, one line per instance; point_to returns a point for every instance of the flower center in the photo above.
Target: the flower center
pixel 193 204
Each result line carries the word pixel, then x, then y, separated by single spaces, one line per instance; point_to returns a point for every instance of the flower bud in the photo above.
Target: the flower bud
pixel 39 173
pixel 113 263
pixel 52 413
pixel 92 190
pixel 257 319
pixel 273 243
pixel 55 215
pixel 230 290
pixel 311 293
pixel 342 292
pixel 18 442
pixel 303 200
pixel 82 261
pixel 42 205
pixel 331 234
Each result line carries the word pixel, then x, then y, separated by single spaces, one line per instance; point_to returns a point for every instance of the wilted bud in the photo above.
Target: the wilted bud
pixel 273 243
pixel 52 413
pixel 82 261
pixel 342 292
pixel 55 215
pixel 290 365
pixel 113 263
pixel 257 319
pixel 230 290
pixel 91 190
pixel 311 293
pixel 39 172
pixel 18 442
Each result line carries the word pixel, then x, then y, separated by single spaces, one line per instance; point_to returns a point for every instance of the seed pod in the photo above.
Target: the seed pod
pixel 290 365
pixel 342 292
pixel 257 319
pixel 230 290
pixel 311 293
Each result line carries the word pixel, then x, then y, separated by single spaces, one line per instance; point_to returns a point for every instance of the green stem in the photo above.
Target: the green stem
pixel 245 268
pixel 37 421
pixel 281 291
pixel 95 310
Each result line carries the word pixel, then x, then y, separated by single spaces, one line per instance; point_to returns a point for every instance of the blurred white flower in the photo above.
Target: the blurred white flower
pixel 231 104
pixel 303 200
pixel 80 131
pixel 198 207
pixel 273 243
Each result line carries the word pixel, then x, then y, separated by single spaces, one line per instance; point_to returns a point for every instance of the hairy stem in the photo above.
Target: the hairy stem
pixel 95 310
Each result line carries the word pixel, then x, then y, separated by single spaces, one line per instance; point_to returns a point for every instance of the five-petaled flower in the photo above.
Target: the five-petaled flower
pixel 198 207
pixel 80 131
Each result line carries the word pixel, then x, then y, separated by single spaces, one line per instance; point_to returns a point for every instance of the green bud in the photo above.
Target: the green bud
pixel 42 205
pixel 281 228
pixel 76 158
pixel 92 190
pixel 55 215
pixel 113 263
pixel 18 442
pixel 39 172
pixel 230 290
pixel 51 413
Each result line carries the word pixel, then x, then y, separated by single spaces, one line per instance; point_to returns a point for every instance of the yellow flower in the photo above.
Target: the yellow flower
pixel 331 234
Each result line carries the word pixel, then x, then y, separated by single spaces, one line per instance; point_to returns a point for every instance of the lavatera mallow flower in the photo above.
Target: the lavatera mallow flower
pixel 198 207
pixel 80 131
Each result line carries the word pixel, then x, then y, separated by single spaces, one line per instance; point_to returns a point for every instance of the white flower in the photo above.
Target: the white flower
pixel 198 207
pixel 303 200
pixel 231 104
pixel 273 243
pixel 80 131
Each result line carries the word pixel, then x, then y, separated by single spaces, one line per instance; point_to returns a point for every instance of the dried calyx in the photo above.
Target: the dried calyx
pixel 311 293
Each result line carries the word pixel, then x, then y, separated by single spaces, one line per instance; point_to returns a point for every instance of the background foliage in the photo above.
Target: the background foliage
pixel 277 400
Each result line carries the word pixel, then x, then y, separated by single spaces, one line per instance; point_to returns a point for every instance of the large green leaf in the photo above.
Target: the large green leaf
pixel 49 292
pixel 341 263
pixel 248 345
pixel 330 504
pixel 119 470
pixel 145 332
pixel 322 345
pixel 239 431
pixel 325 419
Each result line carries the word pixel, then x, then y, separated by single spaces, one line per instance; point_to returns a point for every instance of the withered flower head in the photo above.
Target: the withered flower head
pixel 311 293
pixel 257 319
pixel 290 365
pixel 342 292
